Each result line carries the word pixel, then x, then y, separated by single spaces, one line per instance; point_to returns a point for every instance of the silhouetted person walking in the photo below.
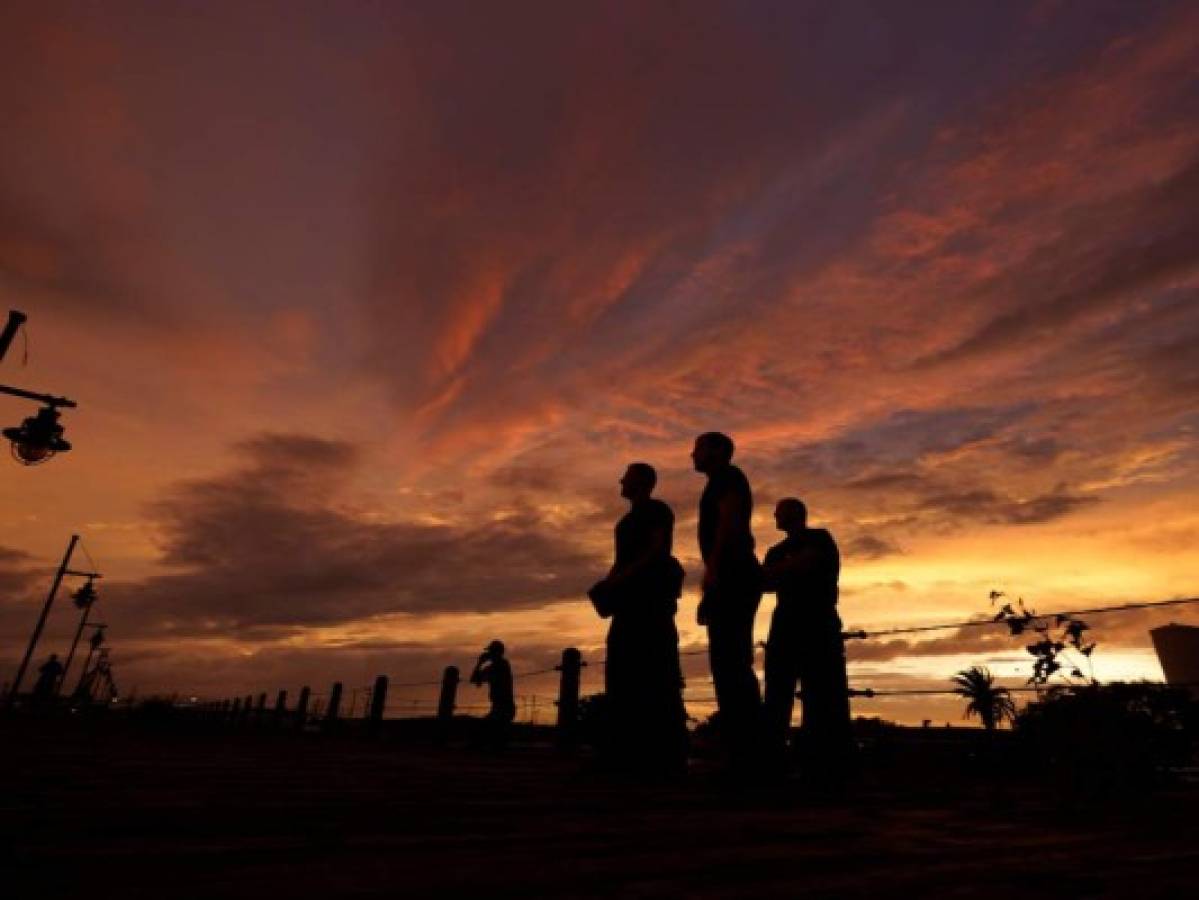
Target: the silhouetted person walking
pixel 805 646
pixel 643 682
pixel 494 670
pixel 47 680
pixel 731 594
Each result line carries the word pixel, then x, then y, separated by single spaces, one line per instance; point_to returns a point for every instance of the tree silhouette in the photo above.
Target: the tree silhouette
pixel 990 703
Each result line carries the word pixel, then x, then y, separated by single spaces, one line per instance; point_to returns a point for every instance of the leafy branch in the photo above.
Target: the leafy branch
pixel 1060 637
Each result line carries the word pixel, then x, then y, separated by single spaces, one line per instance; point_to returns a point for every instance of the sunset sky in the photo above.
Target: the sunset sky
pixel 367 305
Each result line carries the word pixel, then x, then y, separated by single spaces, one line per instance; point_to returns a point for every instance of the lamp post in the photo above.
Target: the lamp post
pixel 63 570
pixel 94 643
pixel 84 599
pixel 16 319
pixel 39 437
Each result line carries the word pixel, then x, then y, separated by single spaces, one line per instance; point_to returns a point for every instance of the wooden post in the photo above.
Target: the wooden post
pixel 260 710
pixel 302 707
pixel 247 708
pixel 334 704
pixel 378 703
pixel 568 698
pixel 280 708
pixel 445 703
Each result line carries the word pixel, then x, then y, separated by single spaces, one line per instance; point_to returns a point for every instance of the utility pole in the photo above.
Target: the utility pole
pixel 63 568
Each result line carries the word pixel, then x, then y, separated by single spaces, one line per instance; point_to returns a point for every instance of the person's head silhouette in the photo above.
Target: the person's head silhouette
pixel 638 481
pixel 495 650
pixel 712 452
pixel 791 515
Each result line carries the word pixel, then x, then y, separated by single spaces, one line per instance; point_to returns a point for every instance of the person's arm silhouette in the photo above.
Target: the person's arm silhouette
pixel 479 675
pixel 657 545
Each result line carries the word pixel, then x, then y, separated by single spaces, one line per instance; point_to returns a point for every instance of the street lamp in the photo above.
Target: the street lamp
pixel 39 437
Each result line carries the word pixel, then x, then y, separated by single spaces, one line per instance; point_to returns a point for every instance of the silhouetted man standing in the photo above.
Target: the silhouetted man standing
pixel 731 593
pixel 643 682
pixel 805 644
pixel 494 671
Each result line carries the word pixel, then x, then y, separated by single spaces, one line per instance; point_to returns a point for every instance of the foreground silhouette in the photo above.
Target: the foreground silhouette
pixel 646 721
pixel 495 671
pixel 47 681
pixel 805 646
pixel 110 806
pixel 731 593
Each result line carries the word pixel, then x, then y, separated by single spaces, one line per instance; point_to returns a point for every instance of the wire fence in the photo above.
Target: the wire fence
pixel 411 699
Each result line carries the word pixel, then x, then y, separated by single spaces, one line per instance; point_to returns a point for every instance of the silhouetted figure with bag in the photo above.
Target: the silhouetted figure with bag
pixel 495 671
pixel 47 681
pixel 805 647
pixel 731 594
pixel 643 682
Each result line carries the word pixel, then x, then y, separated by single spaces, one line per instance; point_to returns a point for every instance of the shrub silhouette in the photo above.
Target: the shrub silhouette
pixel 1105 736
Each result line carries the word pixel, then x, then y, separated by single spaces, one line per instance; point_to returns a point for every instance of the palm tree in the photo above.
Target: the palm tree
pixel 991 704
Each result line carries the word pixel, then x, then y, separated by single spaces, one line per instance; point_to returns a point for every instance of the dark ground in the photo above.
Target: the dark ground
pixel 118 811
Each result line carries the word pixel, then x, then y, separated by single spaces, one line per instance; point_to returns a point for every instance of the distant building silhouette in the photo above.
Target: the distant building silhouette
pixel 1177 649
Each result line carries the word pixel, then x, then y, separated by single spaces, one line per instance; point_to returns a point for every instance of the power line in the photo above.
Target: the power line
pixel 979 623
pixel 1041 689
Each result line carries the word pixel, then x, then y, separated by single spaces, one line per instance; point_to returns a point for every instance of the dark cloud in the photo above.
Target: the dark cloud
pixel 985 505
pixel 16 573
pixel 884 455
pixel 869 546
pixel 994 639
pixel 266 547
pixel 1132 243
pixel 8 556
pixel 1037 450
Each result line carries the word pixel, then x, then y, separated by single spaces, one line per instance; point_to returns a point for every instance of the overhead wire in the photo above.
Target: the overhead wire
pixel 861 634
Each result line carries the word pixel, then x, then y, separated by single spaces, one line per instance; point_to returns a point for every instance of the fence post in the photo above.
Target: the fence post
pixel 378 703
pixel 334 704
pixel 260 710
pixel 445 703
pixel 280 708
pixel 568 698
pixel 302 707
